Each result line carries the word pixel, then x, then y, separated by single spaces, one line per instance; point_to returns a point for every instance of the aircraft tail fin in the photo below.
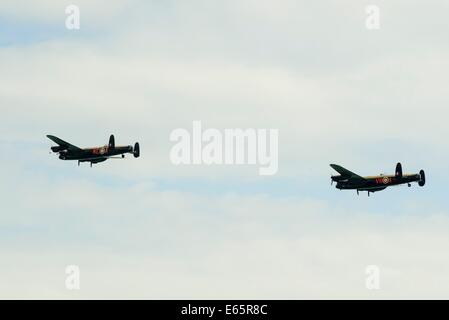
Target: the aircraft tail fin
pixel 398 170
pixel 112 142
pixel 136 150
pixel 422 180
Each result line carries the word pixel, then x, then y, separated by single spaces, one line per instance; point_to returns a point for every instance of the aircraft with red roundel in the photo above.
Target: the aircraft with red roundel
pixel 67 151
pixel 348 180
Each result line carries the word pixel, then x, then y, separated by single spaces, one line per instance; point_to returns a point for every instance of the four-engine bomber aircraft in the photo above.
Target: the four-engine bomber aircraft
pixel 350 180
pixel 68 151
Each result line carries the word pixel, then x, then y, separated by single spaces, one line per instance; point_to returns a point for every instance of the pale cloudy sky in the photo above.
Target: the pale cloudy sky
pixel 337 92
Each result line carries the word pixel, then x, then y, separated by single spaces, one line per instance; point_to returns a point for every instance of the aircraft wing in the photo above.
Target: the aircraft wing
pixel 62 143
pixel 346 173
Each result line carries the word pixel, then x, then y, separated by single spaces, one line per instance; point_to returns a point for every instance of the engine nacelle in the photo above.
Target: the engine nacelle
pixel 338 178
pixel 57 148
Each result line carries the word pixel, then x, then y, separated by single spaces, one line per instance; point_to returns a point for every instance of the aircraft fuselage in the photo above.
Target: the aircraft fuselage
pixel 377 183
pixel 94 154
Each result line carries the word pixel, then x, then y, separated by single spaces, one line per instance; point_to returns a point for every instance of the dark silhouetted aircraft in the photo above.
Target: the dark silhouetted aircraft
pixel 68 151
pixel 350 180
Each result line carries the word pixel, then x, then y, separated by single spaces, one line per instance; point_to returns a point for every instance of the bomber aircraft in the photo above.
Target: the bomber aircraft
pixel 349 180
pixel 68 151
